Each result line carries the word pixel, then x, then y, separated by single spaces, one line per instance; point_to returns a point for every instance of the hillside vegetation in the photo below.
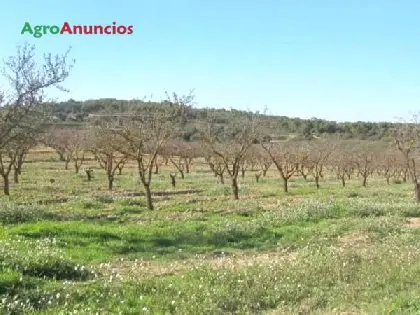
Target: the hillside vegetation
pixel 76 113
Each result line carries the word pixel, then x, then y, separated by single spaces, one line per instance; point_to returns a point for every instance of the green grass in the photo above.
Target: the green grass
pixel 73 245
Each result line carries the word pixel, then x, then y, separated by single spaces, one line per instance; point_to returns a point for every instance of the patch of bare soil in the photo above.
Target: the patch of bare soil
pixel 413 222
pixel 182 216
pixel 53 201
pixel 164 193
pixel 199 200
pixel 150 268
pixel 305 309
pixel 354 240
pixel 295 199
pixel 274 203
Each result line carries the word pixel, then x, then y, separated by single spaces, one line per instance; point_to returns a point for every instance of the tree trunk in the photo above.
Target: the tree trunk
pixel 243 173
pixel 110 182
pixel 16 175
pixel 285 187
pixel 6 185
pixel 264 172
pixel 417 191
pixel 61 156
pixel 222 179
pixel 387 180
pixel 235 189
pixel 120 170
pixel 187 166
pixel 66 164
pixel 156 168
pixel 364 181
pixel 17 167
pixel 257 177
pixel 89 174
pixel 182 174
pixel 149 197
pixel 343 181
pixel 173 180
pixel 317 181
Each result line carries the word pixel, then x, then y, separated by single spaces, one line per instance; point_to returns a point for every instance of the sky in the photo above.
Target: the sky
pixel 354 60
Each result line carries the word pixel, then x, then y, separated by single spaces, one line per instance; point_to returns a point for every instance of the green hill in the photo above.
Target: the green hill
pixel 77 113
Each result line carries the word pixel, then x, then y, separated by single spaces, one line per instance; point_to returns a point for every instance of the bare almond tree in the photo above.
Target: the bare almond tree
pixel 250 162
pixel 12 156
pixel 178 152
pixel 407 140
pixel 216 165
pixel 105 154
pixel 79 144
pixel 22 148
pixel 401 169
pixel 142 138
pixel 180 104
pixel 284 158
pixel 319 153
pixel 342 164
pixel 23 112
pixel 60 139
pixel 264 161
pixel 174 150
pixel 70 144
pixel 231 143
pixel 365 161
pixel 253 157
pixel 387 162
pixel 192 150
pixel 305 165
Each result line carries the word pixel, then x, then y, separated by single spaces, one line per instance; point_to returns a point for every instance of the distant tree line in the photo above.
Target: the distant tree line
pixel 76 113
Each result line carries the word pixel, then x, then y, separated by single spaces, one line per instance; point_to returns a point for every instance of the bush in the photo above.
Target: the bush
pixel 91 205
pixel 105 199
pixel 13 214
pixel 40 258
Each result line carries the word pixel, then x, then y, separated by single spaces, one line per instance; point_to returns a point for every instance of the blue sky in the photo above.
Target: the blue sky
pixel 339 60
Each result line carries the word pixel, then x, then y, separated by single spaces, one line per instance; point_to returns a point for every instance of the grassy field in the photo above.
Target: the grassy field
pixel 72 247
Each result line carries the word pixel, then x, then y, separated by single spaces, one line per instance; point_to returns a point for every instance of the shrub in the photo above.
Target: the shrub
pixel 13 214
pixel 91 205
pixel 40 258
pixel 105 199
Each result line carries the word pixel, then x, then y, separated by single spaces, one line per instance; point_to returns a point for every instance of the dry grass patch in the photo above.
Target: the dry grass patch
pixel 296 199
pixel 273 203
pixel 413 222
pixel 237 261
pixel 354 240
pixel 306 309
